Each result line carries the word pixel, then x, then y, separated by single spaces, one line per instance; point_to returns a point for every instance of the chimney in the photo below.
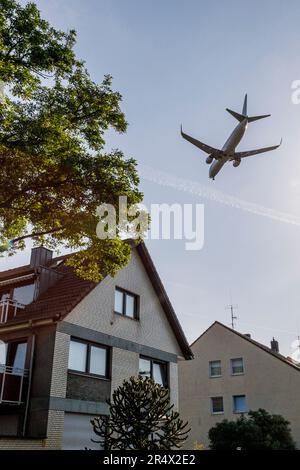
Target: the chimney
pixel 40 256
pixel 274 345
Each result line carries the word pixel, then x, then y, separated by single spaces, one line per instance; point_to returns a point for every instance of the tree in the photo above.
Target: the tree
pixel 141 418
pixel 260 430
pixel 54 171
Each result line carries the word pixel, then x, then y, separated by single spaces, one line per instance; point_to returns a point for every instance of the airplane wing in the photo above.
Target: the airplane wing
pixel 206 148
pixel 249 153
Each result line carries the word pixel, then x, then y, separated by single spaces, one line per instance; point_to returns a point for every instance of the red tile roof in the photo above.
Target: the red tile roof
pixel 57 301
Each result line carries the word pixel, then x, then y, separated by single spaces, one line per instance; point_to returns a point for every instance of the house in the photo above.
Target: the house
pixel 232 374
pixel 67 343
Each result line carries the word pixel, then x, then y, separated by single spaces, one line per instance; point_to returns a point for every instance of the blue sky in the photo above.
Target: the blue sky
pixel 184 62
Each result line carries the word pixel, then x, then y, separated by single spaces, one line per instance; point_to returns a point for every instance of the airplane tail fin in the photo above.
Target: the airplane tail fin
pixel 241 117
pixel 244 111
pixel 238 116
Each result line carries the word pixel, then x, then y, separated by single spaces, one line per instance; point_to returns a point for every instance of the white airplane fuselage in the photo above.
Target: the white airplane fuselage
pixel 229 148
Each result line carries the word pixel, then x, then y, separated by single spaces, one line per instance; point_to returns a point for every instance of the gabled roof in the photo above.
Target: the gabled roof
pixel 63 296
pixel 250 340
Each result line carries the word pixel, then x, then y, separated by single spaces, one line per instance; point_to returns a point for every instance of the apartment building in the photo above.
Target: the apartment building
pixel 66 344
pixel 232 374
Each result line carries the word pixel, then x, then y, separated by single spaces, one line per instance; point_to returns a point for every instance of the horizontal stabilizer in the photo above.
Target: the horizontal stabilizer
pixel 256 118
pixel 238 116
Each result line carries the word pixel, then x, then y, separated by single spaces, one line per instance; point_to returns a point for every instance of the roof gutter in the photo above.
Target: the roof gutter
pixel 26 325
pixel 14 280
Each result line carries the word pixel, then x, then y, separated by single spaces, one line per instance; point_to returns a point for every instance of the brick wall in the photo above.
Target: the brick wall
pixel 55 429
pixel 22 444
pixel 53 441
pixel 124 365
pixel 60 365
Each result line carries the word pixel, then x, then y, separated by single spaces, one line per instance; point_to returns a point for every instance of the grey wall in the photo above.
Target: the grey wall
pixel 41 383
pixel 9 424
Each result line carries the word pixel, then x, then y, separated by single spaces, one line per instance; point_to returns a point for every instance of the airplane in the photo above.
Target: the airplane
pixel 217 158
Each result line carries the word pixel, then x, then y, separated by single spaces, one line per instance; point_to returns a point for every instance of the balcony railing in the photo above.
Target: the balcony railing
pixel 13 382
pixel 9 309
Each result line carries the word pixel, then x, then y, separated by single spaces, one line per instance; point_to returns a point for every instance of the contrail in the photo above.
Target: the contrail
pixel 165 179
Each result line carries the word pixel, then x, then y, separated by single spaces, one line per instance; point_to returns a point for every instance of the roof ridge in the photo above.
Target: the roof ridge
pixel 262 346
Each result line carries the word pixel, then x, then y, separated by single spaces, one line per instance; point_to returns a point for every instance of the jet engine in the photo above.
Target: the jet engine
pixel 236 163
pixel 209 159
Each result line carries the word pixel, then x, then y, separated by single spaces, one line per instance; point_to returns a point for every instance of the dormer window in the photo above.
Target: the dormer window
pixel 14 295
pixel 24 294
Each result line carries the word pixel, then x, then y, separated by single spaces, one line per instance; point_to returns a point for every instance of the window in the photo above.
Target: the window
pixel 215 369
pixel 126 303
pixel 98 361
pixel 24 294
pixel 19 356
pixel 155 369
pixel 145 367
pixel 14 356
pixel 239 404
pixel 159 373
pixel 3 349
pixel 237 366
pixel 217 406
pixel 78 356
pixel 118 301
pixel 88 358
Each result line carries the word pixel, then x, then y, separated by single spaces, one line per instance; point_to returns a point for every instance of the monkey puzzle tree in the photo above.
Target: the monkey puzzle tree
pixel 53 170
pixel 141 418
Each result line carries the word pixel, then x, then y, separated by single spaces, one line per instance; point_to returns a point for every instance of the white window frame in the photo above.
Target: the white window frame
pixel 210 369
pixel 231 366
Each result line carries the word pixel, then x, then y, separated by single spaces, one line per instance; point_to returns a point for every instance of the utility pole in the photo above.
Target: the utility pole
pixel 233 317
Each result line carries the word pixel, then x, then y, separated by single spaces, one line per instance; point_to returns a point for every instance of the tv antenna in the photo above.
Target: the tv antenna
pixel 298 347
pixel 232 307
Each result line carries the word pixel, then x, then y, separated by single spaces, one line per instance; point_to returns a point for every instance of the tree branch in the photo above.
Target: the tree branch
pixel 36 234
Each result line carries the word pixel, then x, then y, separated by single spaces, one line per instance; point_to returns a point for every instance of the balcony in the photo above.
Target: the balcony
pixel 9 309
pixel 13 385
